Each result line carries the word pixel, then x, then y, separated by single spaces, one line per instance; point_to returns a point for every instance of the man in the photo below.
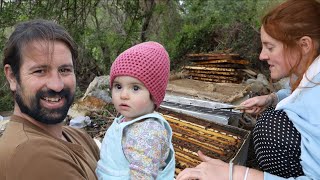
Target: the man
pixel 38 63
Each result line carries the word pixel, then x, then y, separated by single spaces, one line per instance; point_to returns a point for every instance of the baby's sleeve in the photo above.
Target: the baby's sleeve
pixel 146 147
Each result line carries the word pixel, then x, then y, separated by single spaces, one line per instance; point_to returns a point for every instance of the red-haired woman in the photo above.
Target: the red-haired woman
pixel 287 137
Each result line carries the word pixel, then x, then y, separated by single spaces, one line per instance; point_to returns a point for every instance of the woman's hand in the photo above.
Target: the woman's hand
pixel 258 104
pixel 208 169
pixel 217 169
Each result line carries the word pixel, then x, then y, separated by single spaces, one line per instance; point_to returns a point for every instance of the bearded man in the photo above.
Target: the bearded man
pixel 39 60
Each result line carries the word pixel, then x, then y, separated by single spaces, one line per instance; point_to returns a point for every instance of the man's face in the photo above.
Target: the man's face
pixel 47 81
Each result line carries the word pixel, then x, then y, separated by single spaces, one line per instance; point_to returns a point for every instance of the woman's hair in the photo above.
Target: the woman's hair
pixel 290 21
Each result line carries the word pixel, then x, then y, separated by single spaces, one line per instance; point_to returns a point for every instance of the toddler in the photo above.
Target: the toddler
pixel 138 143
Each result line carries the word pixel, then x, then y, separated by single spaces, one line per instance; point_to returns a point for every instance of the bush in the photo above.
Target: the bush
pixel 6 100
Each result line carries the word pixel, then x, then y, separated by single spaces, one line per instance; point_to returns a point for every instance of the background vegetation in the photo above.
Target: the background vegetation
pixel 105 28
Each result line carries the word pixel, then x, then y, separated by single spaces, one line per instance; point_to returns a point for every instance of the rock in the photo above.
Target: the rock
pixel 99 88
pixel 85 106
pixel 260 85
pixel 3 124
pixel 281 84
pixel 263 79
pixel 96 97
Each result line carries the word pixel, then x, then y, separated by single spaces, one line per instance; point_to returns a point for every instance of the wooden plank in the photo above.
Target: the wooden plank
pixel 215 80
pixel 215 72
pixel 211 76
pixel 209 68
pixel 219 61
pixel 218 65
pixel 250 72
pixel 214 56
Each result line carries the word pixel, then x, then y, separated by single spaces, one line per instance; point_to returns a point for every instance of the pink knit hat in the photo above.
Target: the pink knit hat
pixel 149 63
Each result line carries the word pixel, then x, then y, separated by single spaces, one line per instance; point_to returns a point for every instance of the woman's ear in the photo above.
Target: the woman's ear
pixel 10 77
pixel 306 44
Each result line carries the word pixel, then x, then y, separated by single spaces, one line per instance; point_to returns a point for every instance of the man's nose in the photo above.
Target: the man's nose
pixel 55 82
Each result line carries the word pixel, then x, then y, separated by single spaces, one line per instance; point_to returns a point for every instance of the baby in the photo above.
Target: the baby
pixel 138 143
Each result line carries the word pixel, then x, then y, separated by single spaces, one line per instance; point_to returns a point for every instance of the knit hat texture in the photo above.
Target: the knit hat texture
pixel 148 62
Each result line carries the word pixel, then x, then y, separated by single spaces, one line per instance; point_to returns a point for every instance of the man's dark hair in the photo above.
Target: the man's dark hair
pixel 30 31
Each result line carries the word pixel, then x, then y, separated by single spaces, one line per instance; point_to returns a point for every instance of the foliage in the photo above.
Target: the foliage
pixel 6 100
pixel 223 26
pixel 105 28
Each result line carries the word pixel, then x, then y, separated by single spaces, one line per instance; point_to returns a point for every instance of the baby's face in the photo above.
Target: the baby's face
pixel 131 98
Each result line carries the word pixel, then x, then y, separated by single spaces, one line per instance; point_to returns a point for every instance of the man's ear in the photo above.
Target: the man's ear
pixel 10 77
pixel 306 44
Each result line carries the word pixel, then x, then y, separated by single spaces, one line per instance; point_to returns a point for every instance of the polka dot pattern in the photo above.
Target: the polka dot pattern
pixel 277 144
pixel 149 62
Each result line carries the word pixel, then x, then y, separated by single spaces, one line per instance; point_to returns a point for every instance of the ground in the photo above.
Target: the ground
pixel 220 92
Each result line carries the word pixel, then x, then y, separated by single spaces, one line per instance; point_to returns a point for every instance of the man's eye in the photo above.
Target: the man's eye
pixel 136 88
pixel 65 70
pixel 39 71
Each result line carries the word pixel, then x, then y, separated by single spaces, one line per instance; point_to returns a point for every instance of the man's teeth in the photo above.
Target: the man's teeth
pixel 52 99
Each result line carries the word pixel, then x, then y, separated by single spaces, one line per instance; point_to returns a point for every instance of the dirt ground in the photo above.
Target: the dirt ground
pixel 220 92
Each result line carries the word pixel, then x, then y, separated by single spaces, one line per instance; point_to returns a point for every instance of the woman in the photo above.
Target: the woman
pixel 287 138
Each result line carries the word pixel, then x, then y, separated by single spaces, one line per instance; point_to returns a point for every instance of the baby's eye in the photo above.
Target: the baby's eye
pixel 117 86
pixel 136 88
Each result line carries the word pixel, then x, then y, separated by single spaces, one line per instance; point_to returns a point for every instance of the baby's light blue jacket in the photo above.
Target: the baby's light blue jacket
pixel 113 164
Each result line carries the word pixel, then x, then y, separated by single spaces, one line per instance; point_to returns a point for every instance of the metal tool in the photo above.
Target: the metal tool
pixel 239 107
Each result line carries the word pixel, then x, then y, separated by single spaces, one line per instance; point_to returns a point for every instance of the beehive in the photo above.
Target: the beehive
pixel 219 141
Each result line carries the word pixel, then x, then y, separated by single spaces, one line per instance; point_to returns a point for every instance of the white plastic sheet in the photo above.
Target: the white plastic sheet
pixel 80 122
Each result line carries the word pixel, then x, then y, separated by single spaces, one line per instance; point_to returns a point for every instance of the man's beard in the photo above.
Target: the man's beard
pixel 42 114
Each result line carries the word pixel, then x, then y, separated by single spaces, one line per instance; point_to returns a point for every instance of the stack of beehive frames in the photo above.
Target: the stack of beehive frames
pixel 216 67
pixel 191 134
